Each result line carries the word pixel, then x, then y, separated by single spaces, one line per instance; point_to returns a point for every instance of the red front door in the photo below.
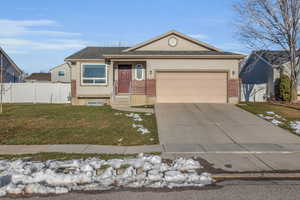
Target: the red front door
pixel 124 78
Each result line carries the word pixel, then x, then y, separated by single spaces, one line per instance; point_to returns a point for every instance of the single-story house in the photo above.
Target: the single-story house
pixel 170 68
pixel 61 74
pixel 260 72
pixel 11 72
pixel 39 77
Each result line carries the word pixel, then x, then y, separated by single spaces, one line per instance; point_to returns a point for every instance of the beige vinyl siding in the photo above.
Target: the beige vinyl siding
pixel 163 45
pixel 191 87
pixel 230 65
pixel 63 79
pixel 92 90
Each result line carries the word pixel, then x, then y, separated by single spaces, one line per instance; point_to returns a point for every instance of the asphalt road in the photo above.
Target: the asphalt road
pixel 231 190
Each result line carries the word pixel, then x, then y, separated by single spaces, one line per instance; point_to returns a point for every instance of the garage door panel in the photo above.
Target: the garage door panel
pixel 191 87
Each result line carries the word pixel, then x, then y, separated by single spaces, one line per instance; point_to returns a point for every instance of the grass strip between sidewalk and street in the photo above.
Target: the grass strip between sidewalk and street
pixel 67 156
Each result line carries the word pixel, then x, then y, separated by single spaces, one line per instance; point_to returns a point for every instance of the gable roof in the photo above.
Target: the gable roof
pixel 91 53
pixel 95 52
pixel 173 32
pixel 61 65
pixel 39 76
pixel 11 61
pixel 272 58
pixel 175 53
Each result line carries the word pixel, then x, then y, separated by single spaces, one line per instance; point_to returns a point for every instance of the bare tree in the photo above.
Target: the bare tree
pixel 1 83
pixel 270 24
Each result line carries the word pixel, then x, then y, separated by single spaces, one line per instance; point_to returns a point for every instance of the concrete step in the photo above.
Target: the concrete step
pixel 121 100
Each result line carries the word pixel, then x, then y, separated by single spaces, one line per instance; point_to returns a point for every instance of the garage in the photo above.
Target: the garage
pixel 191 87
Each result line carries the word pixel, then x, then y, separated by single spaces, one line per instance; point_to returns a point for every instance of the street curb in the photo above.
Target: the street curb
pixel 256 176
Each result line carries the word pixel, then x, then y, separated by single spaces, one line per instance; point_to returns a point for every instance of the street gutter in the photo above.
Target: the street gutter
pixel 256 176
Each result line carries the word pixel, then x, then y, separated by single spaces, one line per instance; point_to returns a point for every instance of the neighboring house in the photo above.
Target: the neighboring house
pixel 39 78
pixel 259 74
pixel 11 72
pixel 170 68
pixel 61 73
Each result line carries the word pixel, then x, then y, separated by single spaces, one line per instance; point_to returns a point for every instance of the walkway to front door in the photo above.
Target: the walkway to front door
pixel 124 78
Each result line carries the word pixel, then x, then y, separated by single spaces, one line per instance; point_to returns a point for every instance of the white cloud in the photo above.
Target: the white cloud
pixel 14 45
pixel 199 36
pixel 28 27
pixel 21 36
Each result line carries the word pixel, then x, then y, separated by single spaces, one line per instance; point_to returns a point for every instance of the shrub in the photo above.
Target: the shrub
pixel 284 91
pixel 276 89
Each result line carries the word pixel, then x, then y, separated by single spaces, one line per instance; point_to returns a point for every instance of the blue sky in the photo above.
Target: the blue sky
pixel 39 34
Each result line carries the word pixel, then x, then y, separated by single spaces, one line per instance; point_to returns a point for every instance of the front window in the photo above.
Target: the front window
pixel 61 73
pixel 139 72
pixel 94 74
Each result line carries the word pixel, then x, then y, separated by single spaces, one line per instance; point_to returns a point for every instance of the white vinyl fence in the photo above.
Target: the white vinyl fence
pixel 37 93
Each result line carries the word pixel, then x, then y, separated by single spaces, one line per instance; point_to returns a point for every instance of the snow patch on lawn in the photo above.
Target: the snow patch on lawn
pixel 276 122
pixel 58 177
pixel 272 117
pixel 279 120
pixel 270 113
pixel 295 125
pixel 135 116
pixel 140 128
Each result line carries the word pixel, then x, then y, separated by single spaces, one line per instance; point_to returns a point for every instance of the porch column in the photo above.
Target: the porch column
pixel 111 74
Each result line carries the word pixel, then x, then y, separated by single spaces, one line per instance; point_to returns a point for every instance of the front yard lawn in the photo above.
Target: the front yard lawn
pixel 284 116
pixel 66 124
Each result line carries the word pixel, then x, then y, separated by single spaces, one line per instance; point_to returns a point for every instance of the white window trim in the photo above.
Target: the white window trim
pixel 135 73
pixel 82 78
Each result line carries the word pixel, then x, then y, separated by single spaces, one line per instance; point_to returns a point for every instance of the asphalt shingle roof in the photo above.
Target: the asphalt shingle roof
pixel 39 76
pixel 98 52
pixel 177 53
pixel 274 57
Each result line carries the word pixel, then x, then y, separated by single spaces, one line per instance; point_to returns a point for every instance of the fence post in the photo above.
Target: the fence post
pixel 11 92
pixel 35 95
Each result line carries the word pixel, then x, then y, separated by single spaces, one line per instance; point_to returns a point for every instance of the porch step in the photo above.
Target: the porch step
pixel 122 100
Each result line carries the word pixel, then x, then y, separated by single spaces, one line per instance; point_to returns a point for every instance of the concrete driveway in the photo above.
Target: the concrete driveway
pixel 226 135
pixel 216 124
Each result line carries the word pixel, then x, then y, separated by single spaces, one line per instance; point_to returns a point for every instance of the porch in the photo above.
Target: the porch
pixel 132 83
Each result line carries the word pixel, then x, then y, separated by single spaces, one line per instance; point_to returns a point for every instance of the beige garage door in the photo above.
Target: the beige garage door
pixel 191 87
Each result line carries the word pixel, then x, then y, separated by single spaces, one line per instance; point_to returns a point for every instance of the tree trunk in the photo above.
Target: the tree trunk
pixel 294 92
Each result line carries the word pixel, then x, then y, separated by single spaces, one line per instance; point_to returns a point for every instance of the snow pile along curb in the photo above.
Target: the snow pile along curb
pixel 26 177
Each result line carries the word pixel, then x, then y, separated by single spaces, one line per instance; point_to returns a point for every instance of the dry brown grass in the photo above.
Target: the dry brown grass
pixel 66 124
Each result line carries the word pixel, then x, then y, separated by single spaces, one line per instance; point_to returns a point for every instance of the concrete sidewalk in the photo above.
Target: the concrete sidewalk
pixel 133 109
pixel 228 157
pixel 241 157
pixel 232 148
pixel 247 162
pixel 80 148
